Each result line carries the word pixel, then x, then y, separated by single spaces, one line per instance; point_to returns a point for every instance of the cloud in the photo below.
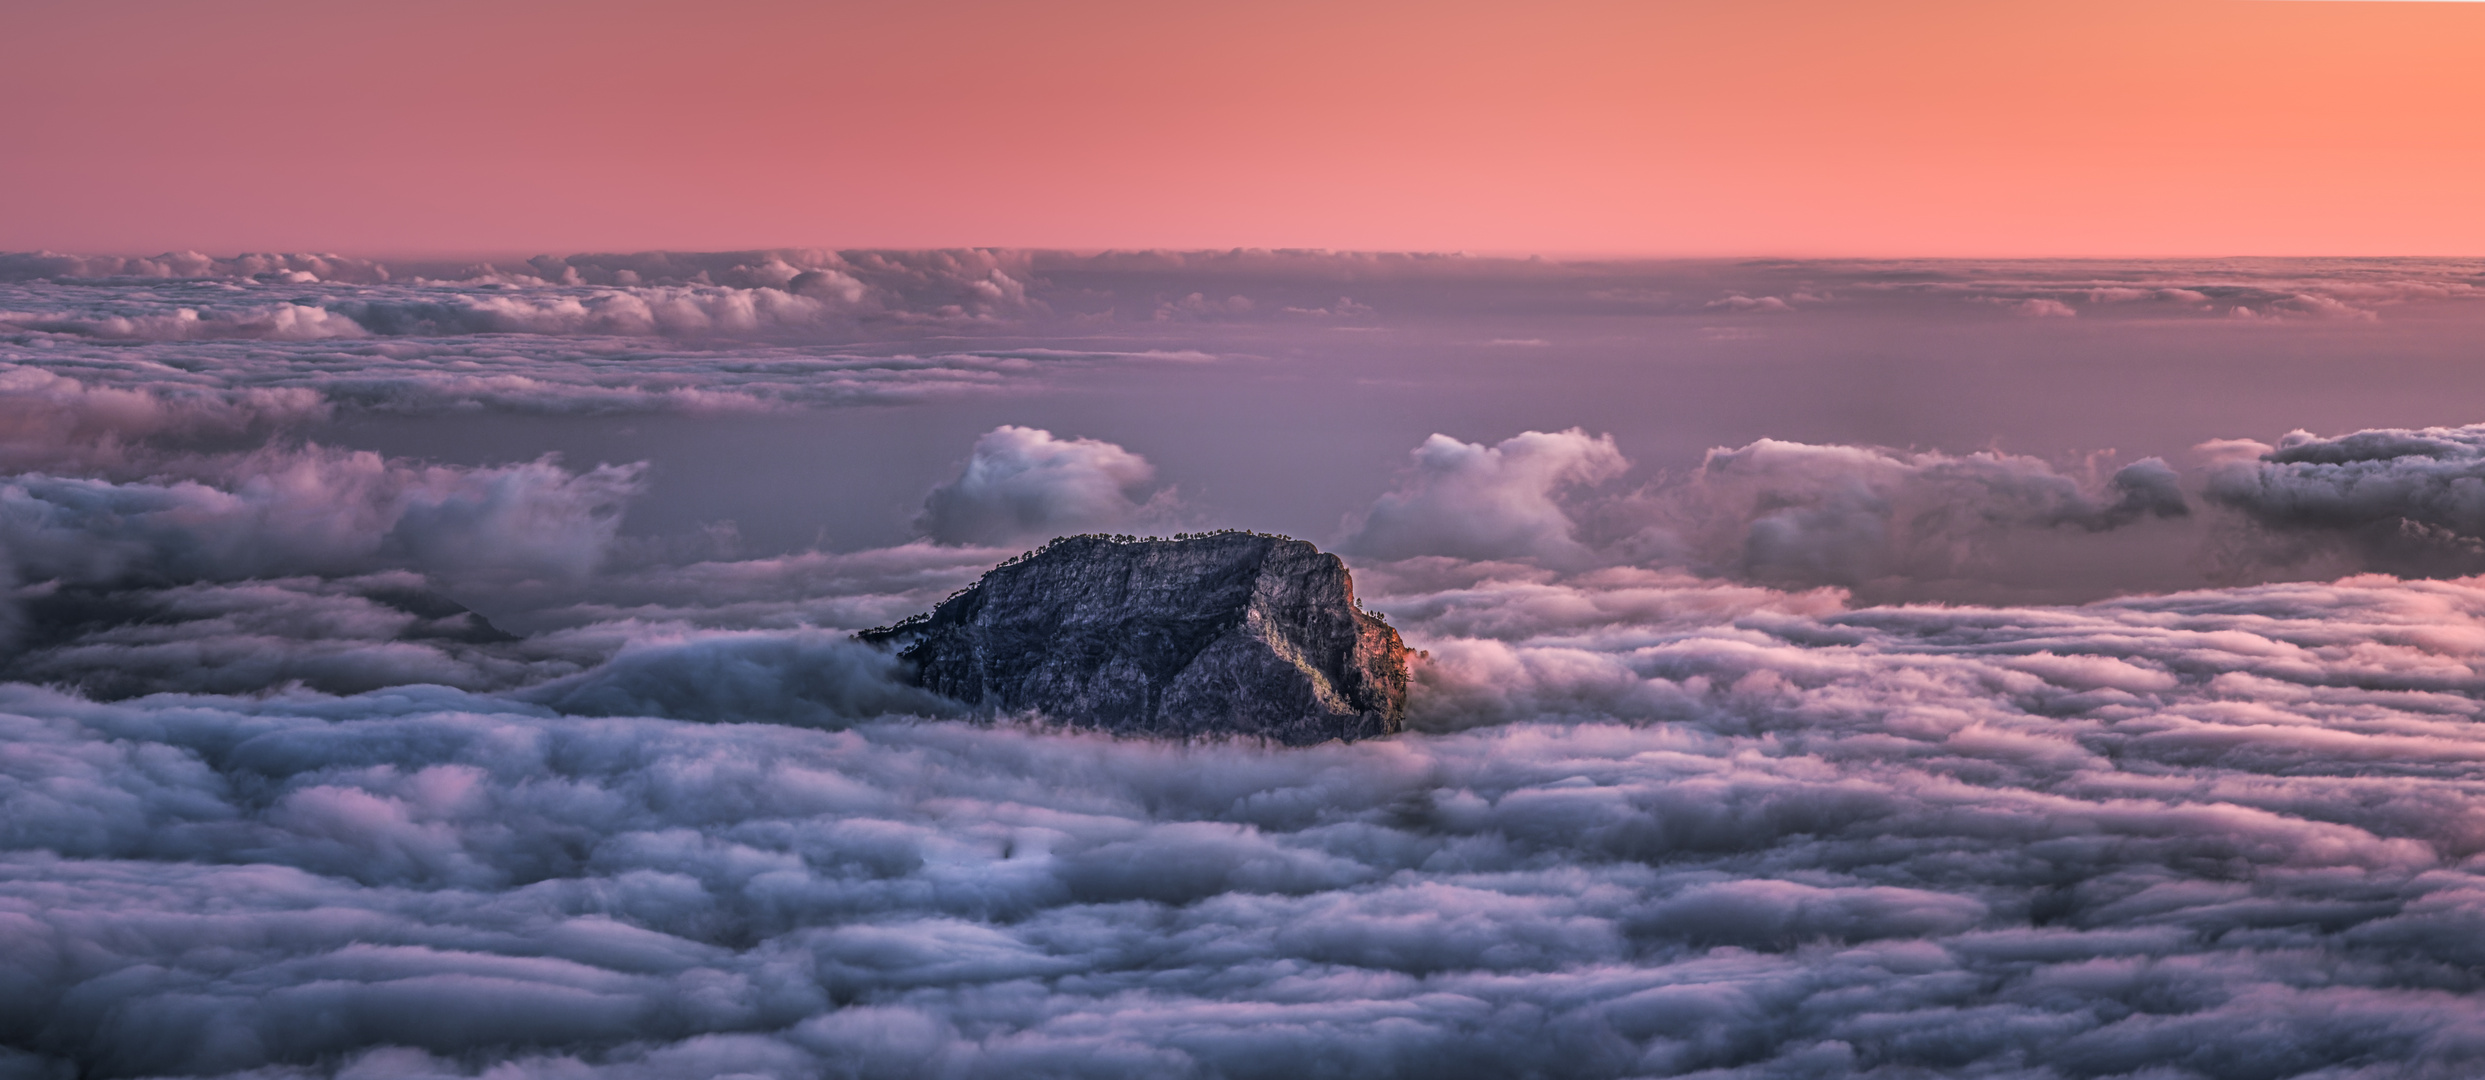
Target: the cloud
pixel 843 590
pixel 316 311
pixel 213 387
pixel 1761 840
pixel 1685 822
pixel 654 311
pixel 816 293
pixel 314 510
pixel 1680 796
pixel 768 294
pixel 1888 524
pixel 807 678
pixel 51 420
pixel 2408 501
pixel 1739 302
pixel 2125 294
pixel 1023 483
pixel 343 635
pixel 1198 307
pixel 253 322
pixel 937 284
pixel 1799 514
pixel 2320 306
pixel 282 268
pixel 1473 501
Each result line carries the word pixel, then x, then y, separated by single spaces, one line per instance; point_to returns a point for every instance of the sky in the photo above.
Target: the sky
pixel 1777 127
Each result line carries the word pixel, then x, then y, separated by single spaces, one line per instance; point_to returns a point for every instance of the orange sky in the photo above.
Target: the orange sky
pixel 1794 127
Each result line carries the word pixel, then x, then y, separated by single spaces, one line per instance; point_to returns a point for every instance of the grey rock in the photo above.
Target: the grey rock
pixel 1230 633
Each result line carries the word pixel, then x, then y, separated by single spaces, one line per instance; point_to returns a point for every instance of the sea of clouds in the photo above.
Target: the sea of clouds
pixel 1782 762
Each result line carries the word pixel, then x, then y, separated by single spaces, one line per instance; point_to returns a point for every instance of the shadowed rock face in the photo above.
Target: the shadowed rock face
pixel 1229 633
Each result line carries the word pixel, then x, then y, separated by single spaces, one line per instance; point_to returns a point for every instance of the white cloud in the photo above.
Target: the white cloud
pixel 1023 483
pixel 1932 838
pixel 2040 308
pixel 1473 501
pixel 1800 514
pixel 276 513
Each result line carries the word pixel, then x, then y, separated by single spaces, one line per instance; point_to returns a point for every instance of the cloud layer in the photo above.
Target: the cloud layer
pixel 322 762
pixel 1780 513
pixel 787 328
pixel 2223 834
pixel 1649 823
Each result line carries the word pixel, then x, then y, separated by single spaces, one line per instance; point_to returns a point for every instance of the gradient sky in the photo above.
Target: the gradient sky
pixel 1795 127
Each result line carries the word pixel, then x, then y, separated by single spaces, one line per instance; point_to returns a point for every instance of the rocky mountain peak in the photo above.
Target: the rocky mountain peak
pixel 1227 633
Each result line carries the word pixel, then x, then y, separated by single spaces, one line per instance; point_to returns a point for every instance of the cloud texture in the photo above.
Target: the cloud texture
pixel 807 328
pixel 1799 514
pixel 318 511
pixel 1788 514
pixel 2223 834
pixel 1024 483
pixel 317 761
pixel 1467 500
pixel 2408 501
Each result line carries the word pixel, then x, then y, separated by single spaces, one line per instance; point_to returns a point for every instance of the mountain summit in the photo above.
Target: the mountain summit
pixel 1229 633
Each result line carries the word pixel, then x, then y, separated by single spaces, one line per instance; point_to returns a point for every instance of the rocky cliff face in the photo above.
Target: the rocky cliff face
pixel 1227 633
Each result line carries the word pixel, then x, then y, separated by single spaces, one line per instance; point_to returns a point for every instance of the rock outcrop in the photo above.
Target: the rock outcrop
pixel 1231 633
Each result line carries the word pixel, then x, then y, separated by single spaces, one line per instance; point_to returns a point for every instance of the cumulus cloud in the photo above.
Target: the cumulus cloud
pixel 1802 514
pixel 335 570
pixel 1796 515
pixel 314 510
pixel 48 420
pixel 251 321
pixel 2409 501
pixel 1474 501
pixel 1023 483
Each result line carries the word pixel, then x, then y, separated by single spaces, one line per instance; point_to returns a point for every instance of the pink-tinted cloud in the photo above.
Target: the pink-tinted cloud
pixel 1025 484
pixel 1469 500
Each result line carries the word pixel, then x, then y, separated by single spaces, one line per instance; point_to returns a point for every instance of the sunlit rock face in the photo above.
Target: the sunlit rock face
pixel 1230 633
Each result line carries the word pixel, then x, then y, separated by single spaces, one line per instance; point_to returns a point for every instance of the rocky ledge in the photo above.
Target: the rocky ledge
pixel 1230 633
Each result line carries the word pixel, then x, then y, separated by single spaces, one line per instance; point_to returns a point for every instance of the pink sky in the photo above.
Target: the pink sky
pixel 1795 127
